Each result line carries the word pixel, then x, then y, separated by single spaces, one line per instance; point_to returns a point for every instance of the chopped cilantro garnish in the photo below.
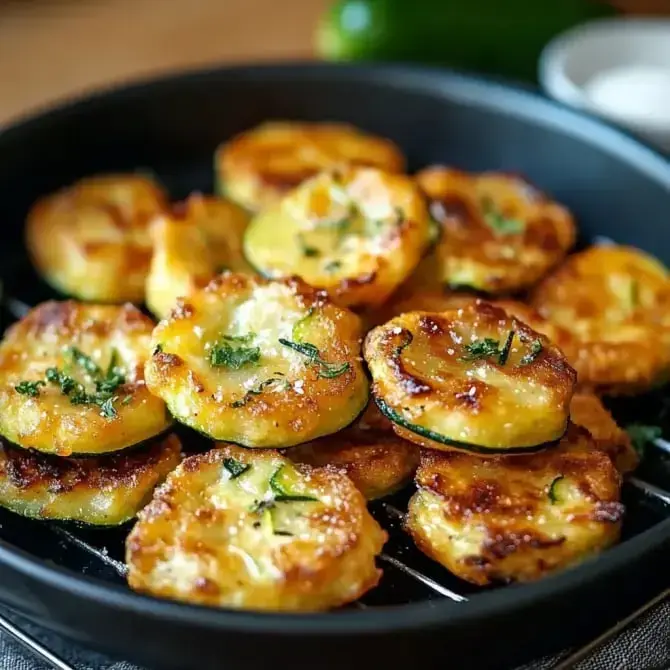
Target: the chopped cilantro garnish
pixel 31 389
pixel 535 351
pixel 498 222
pixel 229 353
pixel 326 370
pixel 256 391
pixel 307 250
pixel 481 349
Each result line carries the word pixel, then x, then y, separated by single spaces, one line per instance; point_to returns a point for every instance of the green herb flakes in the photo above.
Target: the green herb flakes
pixel 228 352
pixel 326 370
pixel 31 389
pixel 535 351
pixel 498 222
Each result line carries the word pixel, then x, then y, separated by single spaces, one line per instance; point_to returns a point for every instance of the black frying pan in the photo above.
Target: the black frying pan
pixel 420 614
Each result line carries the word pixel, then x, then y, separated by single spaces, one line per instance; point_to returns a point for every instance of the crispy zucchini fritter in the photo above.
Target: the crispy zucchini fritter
pixel 500 234
pixel 102 491
pixel 376 460
pixel 516 518
pixel 615 301
pixel 358 233
pixel 258 167
pixel 72 380
pixel 91 239
pixel 471 378
pixel 249 529
pixel 587 410
pixel 260 363
pixel 199 239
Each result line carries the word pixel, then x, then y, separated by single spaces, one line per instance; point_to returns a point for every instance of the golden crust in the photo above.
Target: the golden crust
pixel 91 239
pixel 357 233
pixel 587 410
pixel 212 539
pixel 615 301
pixel 377 461
pixel 500 234
pixel 200 238
pixel 284 396
pixel 49 421
pixel 105 491
pixel 516 518
pixel 259 166
pixel 439 394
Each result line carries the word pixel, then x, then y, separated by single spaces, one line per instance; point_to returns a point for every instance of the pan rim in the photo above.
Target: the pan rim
pixel 486 92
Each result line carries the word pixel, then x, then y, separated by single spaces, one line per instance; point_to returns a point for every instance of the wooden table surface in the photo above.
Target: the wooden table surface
pixel 51 49
pixel 56 48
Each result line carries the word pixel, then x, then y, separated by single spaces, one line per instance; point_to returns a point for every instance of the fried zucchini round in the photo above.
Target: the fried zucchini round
pixel 248 529
pixel 376 460
pixel 587 410
pixel 259 363
pixel 500 234
pixel 358 233
pixel 91 239
pixel 470 378
pixel 72 380
pixel 202 237
pixel 516 518
pixel 615 301
pixel 103 491
pixel 259 166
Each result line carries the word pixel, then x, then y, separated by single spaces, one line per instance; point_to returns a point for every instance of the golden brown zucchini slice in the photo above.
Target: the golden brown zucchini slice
pixel 72 380
pixel 516 518
pixel 587 410
pixel 358 233
pixel 259 166
pixel 91 239
pixel 199 239
pixel 376 460
pixel 615 301
pixel 249 529
pixel 471 378
pixel 102 491
pixel 500 234
pixel 259 363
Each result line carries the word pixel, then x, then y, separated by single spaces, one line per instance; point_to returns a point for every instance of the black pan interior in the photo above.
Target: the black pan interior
pixel 617 189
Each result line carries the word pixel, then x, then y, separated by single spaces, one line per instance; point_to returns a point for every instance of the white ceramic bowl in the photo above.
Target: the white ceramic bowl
pixel 630 53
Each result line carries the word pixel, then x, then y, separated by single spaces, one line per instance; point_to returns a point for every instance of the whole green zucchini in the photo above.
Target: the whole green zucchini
pixel 499 37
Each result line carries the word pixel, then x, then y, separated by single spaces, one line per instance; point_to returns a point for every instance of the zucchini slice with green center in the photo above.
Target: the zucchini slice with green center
pixel 376 460
pixel 259 166
pixel 198 240
pixel 259 363
pixel 241 528
pixel 499 233
pixel 516 518
pixel 358 233
pixel 615 302
pixel 471 378
pixel 100 491
pixel 72 380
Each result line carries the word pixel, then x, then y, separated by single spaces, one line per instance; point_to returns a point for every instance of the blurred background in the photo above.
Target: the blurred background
pixel 55 48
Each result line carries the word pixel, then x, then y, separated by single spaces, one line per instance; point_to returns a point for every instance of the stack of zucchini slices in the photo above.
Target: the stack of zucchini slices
pixel 82 438
pixel 337 329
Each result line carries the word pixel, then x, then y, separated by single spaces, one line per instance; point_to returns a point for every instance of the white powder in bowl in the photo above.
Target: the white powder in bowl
pixel 637 94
